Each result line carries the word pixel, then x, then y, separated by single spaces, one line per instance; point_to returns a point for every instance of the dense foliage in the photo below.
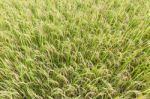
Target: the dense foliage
pixel 74 49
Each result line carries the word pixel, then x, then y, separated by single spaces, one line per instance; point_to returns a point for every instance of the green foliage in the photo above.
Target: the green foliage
pixel 74 49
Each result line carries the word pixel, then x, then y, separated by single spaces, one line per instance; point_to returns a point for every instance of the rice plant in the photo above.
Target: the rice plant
pixel 74 49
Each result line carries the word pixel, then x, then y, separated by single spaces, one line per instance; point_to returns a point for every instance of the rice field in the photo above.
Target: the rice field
pixel 74 49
